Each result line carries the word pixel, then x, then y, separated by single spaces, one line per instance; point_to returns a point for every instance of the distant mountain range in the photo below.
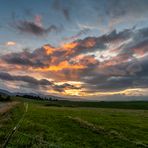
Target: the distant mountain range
pixel 118 97
pixel 5 92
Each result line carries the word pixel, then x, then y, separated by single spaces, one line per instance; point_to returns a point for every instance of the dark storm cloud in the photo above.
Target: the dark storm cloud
pixel 61 88
pixel 24 58
pixel 138 44
pixel 33 24
pixel 28 79
pixel 37 58
pixel 132 74
pixel 15 59
pixel 34 83
pixel 144 65
pixel 92 44
pixel 34 29
pixel 120 83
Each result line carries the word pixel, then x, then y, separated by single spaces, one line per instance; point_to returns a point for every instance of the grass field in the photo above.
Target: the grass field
pixel 66 124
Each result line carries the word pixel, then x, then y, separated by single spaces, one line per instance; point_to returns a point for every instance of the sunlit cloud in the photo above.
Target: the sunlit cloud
pixel 111 70
pixel 10 43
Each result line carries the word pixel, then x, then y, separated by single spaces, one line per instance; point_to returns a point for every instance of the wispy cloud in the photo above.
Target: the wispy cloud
pixel 77 35
pixel 64 10
pixel 35 27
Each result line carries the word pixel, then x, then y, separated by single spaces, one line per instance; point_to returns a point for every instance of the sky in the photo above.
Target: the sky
pixel 72 48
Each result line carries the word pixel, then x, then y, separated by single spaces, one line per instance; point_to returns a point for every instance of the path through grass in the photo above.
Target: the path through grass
pixel 68 127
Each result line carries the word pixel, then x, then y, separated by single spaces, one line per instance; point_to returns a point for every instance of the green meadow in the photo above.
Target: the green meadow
pixel 66 124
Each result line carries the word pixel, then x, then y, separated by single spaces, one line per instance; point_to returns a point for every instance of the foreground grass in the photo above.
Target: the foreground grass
pixel 68 127
pixel 8 120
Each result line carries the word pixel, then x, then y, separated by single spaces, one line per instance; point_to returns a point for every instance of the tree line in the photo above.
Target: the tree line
pixel 38 97
pixel 5 98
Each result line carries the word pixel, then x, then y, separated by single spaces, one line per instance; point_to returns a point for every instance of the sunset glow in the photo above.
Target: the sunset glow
pixel 75 48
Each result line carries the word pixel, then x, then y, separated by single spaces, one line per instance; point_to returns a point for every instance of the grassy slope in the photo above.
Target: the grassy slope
pixel 77 127
pixel 122 105
pixel 8 120
pixel 102 104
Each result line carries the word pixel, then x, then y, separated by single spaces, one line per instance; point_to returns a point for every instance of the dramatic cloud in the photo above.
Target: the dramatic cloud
pixel 111 62
pixel 34 83
pixel 28 79
pixel 73 47
pixel 76 36
pixel 34 27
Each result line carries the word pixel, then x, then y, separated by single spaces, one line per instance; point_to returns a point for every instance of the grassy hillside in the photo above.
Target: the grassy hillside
pixel 101 104
pixel 120 105
pixel 75 127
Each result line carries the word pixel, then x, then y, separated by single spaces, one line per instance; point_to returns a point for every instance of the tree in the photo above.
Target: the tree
pixel 8 98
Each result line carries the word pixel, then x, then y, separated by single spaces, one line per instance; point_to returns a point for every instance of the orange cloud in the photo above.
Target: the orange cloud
pixel 70 45
pixel 48 49
pixel 61 66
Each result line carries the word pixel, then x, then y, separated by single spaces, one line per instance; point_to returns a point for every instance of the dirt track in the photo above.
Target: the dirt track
pixel 4 107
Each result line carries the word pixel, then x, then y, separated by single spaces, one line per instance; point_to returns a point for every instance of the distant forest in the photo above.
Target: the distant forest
pixel 37 97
